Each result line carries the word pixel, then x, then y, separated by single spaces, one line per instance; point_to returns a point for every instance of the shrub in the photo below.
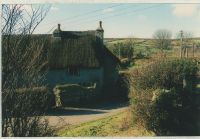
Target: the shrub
pixel 125 63
pixel 141 55
pixel 125 50
pixel 40 99
pixel 70 94
pixel 121 87
pixel 169 115
pixel 163 98
pixel 198 45
pixel 168 74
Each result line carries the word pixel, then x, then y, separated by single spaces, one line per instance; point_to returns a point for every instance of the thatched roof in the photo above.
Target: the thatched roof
pixel 74 52
pixel 73 49
pixel 77 49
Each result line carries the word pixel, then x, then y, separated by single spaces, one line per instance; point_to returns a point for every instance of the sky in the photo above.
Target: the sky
pixel 123 20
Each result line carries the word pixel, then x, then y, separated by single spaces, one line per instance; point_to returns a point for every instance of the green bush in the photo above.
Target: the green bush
pixel 70 94
pixel 125 63
pixel 174 114
pixel 32 101
pixel 125 50
pixel 141 55
pixel 198 45
pixel 169 74
pixel 163 97
pixel 121 87
pixel 41 99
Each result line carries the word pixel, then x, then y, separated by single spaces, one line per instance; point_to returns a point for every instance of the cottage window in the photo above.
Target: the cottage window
pixel 73 71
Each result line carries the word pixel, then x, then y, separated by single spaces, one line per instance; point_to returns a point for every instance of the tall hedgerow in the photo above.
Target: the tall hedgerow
pixel 163 97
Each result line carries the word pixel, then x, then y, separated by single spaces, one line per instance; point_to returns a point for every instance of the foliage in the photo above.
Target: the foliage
pixel 122 87
pixel 172 113
pixel 140 55
pixel 142 48
pixel 27 101
pixel 125 63
pixel 124 50
pixel 22 63
pixel 162 39
pixel 41 99
pixel 25 108
pixel 74 94
pixel 198 45
pixel 168 74
pixel 163 97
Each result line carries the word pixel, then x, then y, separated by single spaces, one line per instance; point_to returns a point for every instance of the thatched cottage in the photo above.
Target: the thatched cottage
pixel 80 57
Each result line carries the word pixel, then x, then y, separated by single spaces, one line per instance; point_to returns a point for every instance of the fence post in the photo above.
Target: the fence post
pixel 187 52
pixel 193 50
pixel 181 32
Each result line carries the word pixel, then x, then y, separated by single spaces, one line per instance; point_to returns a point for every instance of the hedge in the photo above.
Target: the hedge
pixel 41 97
pixel 74 94
pixel 28 101
pixel 164 99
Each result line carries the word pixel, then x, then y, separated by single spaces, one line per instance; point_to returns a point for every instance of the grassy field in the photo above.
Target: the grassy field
pixel 117 125
pixel 147 46
pixel 152 53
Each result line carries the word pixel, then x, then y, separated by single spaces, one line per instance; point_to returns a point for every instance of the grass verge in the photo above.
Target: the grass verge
pixel 116 125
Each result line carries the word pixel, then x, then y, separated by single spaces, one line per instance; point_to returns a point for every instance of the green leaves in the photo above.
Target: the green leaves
pixel 163 97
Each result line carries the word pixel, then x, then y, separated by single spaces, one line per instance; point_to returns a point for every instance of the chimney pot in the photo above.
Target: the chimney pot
pixel 100 24
pixel 59 27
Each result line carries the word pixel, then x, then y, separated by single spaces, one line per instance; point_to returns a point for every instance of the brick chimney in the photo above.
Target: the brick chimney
pixel 57 32
pixel 100 32
pixel 59 27
pixel 100 24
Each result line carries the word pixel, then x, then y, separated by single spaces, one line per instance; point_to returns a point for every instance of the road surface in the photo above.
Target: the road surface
pixel 72 116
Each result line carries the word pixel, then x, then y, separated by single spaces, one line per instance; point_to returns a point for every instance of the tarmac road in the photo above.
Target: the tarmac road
pixel 61 117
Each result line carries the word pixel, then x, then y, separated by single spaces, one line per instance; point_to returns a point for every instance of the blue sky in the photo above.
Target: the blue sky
pixel 123 20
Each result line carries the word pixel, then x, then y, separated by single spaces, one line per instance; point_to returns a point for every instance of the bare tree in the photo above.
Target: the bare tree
pixel 22 63
pixel 162 38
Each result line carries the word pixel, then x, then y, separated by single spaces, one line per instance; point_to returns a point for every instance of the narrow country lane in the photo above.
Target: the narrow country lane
pixel 72 116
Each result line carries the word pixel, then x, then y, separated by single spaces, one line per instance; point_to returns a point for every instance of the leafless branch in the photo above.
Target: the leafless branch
pixel 22 63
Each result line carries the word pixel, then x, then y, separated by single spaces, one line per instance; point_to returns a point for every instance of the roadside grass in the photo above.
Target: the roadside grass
pixel 116 125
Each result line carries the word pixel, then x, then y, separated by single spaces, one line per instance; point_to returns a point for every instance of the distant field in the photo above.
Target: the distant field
pixel 114 40
pixel 146 46
pixel 144 41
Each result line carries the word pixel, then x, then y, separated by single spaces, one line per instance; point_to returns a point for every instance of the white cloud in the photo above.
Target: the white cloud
pixel 185 10
pixel 53 8
pixel 108 10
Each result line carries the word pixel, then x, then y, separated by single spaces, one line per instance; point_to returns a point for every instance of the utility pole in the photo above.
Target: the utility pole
pixel 181 33
pixel 186 52
pixel 193 50
pixel 119 51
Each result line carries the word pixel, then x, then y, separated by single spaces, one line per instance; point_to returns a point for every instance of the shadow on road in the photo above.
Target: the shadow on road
pixel 72 111
pixel 94 109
